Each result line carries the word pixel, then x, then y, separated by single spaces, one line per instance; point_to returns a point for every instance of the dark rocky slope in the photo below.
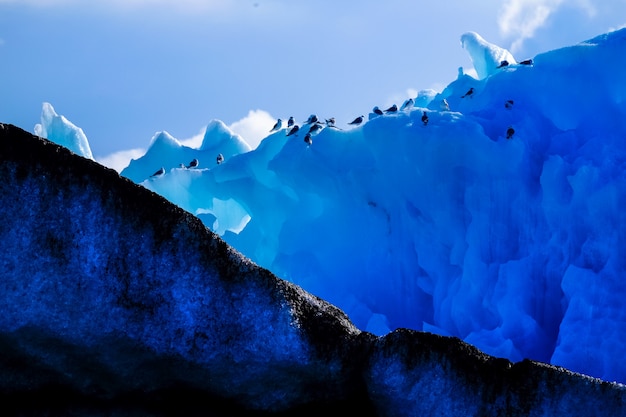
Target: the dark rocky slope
pixel 116 302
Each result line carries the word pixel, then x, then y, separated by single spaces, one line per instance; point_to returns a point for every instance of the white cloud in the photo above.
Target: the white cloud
pixel 195 141
pixel 254 127
pixel 120 160
pixel 521 18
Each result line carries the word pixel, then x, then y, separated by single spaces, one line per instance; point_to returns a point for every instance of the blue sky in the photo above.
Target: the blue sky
pixel 125 69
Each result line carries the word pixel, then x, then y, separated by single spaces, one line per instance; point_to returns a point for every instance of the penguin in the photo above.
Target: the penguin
pixel 220 159
pixel 509 104
pixel 290 122
pixel 312 119
pixel 277 126
pixel 317 126
pixel 425 118
pixel 357 121
pixel 377 111
pixel 293 130
pixel 504 63
pixel 510 132
pixel 392 109
pixel 194 163
pixel 527 62
pixel 469 93
pixel 308 139
pixel 444 105
pixel 407 105
pixel 159 172
pixel 330 122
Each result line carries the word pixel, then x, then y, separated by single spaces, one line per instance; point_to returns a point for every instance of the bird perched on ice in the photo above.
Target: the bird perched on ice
pixel 510 132
pixel 330 122
pixel 312 119
pixel 290 122
pixel 407 105
pixel 308 139
pixel 316 126
pixel 293 130
pixel 392 109
pixel 357 121
pixel 526 62
pixel 377 111
pixel 503 63
pixel 220 159
pixel 425 118
pixel 469 93
pixel 159 172
pixel 194 163
pixel 277 126
pixel 509 104
pixel 444 105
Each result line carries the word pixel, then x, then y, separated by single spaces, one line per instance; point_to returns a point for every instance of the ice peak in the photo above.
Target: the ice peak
pixel 61 131
pixel 486 57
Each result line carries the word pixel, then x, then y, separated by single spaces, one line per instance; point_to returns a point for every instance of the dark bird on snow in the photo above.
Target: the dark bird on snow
pixel 527 62
pixel 312 119
pixel 425 118
pixel 159 172
pixel 357 121
pixel 220 159
pixel 509 104
pixel 469 92
pixel 315 128
pixel 392 109
pixel 194 163
pixel 407 105
pixel 308 139
pixel 293 130
pixel 277 126
pixel 510 132
pixel 377 111
pixel 444 105
pixel 290 122
pixel 330 122
pixel 504 63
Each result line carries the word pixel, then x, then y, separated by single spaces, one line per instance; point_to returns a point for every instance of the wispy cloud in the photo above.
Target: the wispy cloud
pixel 521 18
pixel 120 160
pixel 254 127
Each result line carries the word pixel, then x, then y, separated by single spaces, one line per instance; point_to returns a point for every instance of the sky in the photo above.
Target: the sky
pixel 123 70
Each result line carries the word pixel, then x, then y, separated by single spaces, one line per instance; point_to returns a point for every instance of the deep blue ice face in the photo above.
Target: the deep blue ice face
pixel 515 245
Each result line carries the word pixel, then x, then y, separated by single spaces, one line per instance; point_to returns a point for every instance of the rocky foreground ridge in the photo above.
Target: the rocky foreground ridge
pixel 114 301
